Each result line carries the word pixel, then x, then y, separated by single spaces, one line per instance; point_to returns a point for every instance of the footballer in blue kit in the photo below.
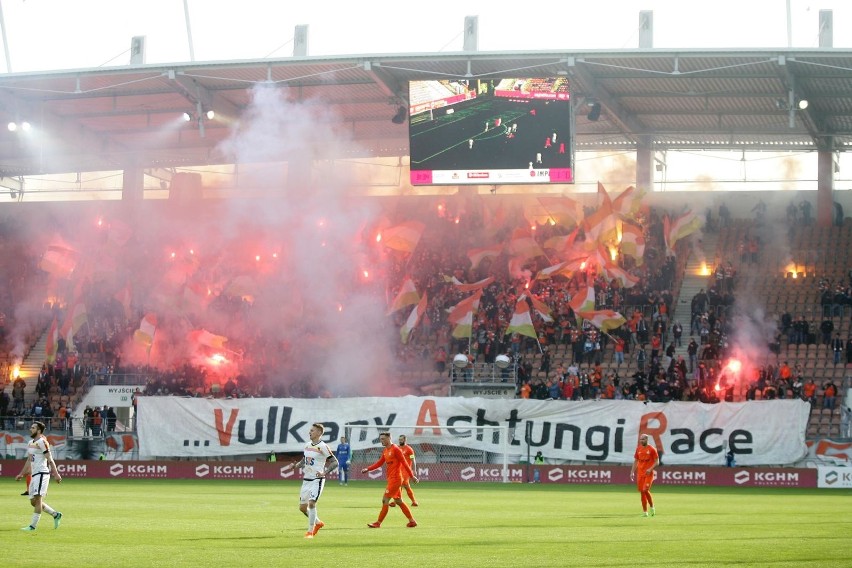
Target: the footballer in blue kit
pixel 344 458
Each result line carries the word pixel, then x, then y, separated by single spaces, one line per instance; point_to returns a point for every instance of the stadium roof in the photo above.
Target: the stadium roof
pixel 118 117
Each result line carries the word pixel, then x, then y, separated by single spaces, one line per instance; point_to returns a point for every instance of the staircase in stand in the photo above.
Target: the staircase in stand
pixel 31 367
pixel 703 257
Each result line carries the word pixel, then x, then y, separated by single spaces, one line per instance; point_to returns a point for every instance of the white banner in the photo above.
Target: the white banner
pixel 759 432
pixel 834 477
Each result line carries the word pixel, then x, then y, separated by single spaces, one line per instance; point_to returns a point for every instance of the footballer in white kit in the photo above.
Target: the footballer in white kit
pixel 40 465
pixel 317 462
pixel 313 470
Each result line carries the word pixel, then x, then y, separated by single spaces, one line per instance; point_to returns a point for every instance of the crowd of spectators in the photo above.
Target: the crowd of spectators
pixel 565 360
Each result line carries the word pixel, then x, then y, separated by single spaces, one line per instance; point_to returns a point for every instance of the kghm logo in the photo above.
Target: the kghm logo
pixel 116 469
pixel 202 470
pixel 831 477
pixel 555 474
pixel 742 477
pixel 680 477
pixel 287 471
pixel 468 473
pixel 375 474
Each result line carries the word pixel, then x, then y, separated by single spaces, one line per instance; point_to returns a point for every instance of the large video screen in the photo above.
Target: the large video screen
pixel 491 132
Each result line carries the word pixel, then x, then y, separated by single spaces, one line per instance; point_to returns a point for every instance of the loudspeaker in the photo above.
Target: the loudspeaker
pixel 400 116
pixel 595 112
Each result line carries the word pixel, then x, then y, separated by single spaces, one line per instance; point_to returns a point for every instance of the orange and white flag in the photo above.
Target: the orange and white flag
pixel 462 287
pixel 403 237
pixel 73 322
pixel 523 245
pixel 406 296
pixel 563 210
pixel 627 203
pixel 204 337
pixel 551 271
pixel 633 242
pixel 583 300
pixel 413 319
pixel 146 331
pixel 615 272
pixel 52 345
pixel 477 255
pixel 604 320
pixel 542 309
pixel 461 315
pixel 521 322
pixel 600 226
pixel 59 259
pixel 679 228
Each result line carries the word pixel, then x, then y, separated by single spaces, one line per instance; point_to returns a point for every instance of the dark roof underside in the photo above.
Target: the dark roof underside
pixel 115 118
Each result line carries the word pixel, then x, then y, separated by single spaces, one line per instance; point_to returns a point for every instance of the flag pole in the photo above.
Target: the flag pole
pixel 529 303
pixel 148 358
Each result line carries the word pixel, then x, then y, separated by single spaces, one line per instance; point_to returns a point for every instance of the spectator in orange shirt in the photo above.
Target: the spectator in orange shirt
pixel 656 343
pixel 645 459
pixel 526 389
pixel 619 351
pixel 809 391
pixel 785 372
pixel 829 395
pixel 397 469
pixel 568 389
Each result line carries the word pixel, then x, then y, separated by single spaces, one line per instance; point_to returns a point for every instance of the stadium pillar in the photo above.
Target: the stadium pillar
pixel 471 33
pixel 300 41
pixel 645 164
pixel 825 187
pixel 646 29
pixel 186 187
pixel 826 28
pixel 137 50
pixel 132 184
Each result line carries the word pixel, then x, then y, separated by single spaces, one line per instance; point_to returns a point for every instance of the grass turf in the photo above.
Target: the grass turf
pixel 255 523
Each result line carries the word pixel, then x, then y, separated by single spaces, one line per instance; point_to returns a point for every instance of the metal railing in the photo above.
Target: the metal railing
pixel 485 373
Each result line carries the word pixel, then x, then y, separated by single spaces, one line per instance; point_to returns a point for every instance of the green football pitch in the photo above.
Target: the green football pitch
pixel 255 523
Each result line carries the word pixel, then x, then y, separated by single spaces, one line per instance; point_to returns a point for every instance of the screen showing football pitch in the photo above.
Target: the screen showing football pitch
pixel 491 132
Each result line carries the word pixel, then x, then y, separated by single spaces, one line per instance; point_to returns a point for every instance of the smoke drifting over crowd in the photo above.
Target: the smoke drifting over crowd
pixel 282 286
pixel 293 285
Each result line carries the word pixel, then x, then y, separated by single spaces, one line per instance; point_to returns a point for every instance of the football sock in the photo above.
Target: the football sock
pixel 312 518
pixel 644 501
pixel 48 509
pixel 649 498
pixel 36 517
pixel 410 493
pixel 405 510
pixel 383 513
